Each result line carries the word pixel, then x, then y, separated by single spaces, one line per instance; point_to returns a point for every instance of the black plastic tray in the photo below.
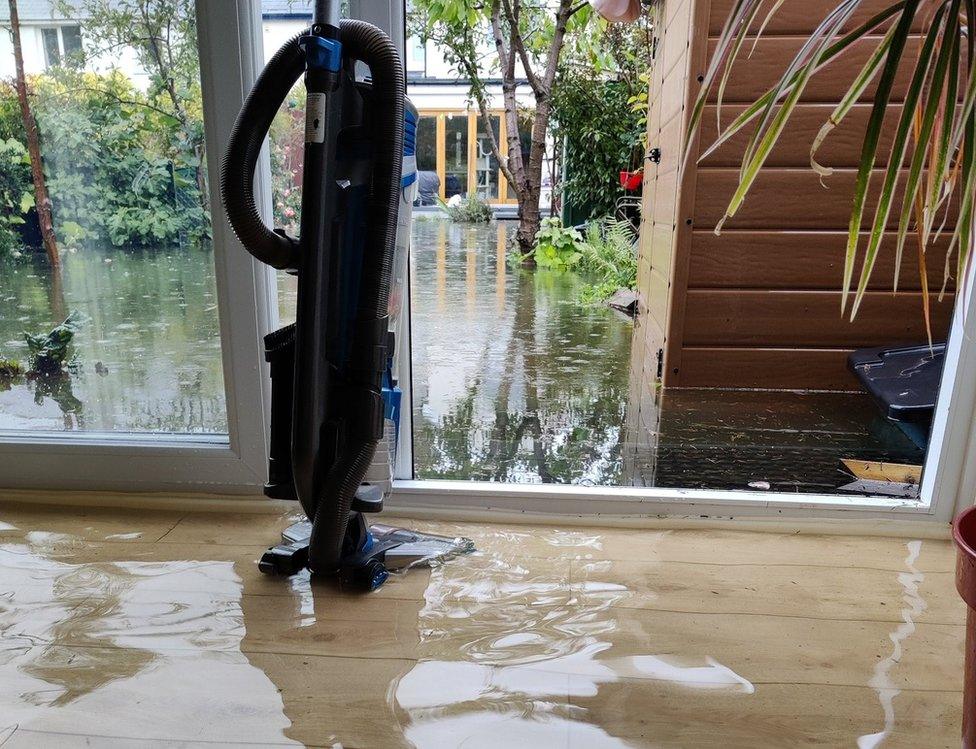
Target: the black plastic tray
pixel 903 381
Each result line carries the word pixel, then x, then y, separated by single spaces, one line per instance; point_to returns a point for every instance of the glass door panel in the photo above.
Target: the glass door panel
pixel 428 180
pixel 108 323
pixel 486 165
pixel 455 155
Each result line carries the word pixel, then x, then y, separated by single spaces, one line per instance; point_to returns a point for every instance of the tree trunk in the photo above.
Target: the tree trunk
pixel 42 201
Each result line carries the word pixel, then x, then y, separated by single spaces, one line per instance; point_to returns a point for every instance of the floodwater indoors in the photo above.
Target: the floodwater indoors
pixel 545 636
pixel 147 349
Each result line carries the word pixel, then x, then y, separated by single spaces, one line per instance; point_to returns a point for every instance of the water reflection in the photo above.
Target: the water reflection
pixel 506 655
pixel 881 681
pixel 513 379
pixel 142 650
pixel 148 349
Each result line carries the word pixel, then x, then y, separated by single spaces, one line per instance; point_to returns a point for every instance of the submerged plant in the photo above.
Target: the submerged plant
pixel 10 369
pixel 557 247
pixel 469 210
pixel 935 134
pixel 49 352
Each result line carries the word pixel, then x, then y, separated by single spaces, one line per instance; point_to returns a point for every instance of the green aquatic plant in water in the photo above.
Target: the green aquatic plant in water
pixel 10 369
pixel 50 352
pixel 557 247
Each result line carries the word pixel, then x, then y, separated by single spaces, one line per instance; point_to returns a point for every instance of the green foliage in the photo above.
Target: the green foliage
pixel 287 146
pixel 600 111
pixel 556 247
pixel 15 182
pixel 119 168
pixel 469 210
pixel 609 253
pixel 601 136
pixel 49 352
pixel 10 369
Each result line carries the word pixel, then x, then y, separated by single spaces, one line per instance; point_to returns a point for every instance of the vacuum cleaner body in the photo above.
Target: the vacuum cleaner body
pixel 333 390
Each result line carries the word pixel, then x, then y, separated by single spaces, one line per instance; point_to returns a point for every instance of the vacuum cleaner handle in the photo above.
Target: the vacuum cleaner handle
pixel 360 41
pixel 237 170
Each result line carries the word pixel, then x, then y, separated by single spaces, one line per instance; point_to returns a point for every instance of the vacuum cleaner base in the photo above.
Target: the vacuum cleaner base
pixel 381 549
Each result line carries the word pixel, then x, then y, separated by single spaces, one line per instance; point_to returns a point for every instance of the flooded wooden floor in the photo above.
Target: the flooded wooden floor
pixel 120 628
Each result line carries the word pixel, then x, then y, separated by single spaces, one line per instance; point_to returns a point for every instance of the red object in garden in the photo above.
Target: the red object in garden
pixel 964 534
pixel 631 180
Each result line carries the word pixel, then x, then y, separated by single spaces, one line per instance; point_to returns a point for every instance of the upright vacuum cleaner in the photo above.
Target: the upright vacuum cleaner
pixel 334 398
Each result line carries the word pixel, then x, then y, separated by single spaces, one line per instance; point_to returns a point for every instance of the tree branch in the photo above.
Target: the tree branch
pixel 512 14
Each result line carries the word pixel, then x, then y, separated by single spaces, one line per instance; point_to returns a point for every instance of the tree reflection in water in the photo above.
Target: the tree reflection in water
pixel 513 379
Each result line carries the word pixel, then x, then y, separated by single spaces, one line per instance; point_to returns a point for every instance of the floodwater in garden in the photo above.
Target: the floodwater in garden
pixel 513 378
pixel 147 349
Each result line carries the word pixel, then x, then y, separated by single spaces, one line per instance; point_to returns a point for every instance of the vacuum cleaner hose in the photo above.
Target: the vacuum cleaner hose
pixel 241 158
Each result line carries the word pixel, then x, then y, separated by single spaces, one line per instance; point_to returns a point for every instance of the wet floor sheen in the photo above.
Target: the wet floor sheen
pixel 123 629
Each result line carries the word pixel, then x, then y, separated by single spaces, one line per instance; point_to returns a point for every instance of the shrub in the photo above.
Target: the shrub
pixel 469 210
pixel 50 352
pixel 609 252
pixel 118 168
pixel 15 190
pixel 287 147
pixel 557 247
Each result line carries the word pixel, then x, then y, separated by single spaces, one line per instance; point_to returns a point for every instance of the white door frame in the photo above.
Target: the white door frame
pixel 229 38
pixel 948 482
pixel 949 478
pixel 231 55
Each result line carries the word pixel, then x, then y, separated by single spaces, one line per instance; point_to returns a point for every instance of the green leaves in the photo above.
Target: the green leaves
pixel 935 135
pixel 557 248
pixel 117 169
pixel 609 252
pixel 468 210
pixel 49 352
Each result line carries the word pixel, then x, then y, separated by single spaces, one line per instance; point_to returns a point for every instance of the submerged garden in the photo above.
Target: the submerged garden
pixel 108 302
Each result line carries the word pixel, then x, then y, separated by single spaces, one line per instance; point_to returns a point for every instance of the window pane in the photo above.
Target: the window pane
pixel 73 51
pixel 129 264
pixel 456 155
pixel 428 181
pixel 52 53
pixel 486 165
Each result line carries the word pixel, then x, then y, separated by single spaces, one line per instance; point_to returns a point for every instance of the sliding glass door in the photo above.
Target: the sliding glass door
pixel 130 317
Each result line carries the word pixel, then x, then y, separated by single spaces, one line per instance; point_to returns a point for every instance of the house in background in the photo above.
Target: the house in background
pixel 49 38
pixel 452 140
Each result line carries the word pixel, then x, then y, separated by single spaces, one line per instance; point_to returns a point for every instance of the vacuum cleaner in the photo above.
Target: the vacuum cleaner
pixel 334 397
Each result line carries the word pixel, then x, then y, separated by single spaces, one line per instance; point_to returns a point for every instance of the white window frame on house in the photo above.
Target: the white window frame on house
pixel 229 36
pixel 231 55
pixel 59 35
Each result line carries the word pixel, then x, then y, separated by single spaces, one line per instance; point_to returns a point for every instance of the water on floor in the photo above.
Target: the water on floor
pixel 124 629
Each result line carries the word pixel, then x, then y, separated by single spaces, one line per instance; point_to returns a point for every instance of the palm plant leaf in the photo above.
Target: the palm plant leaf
pixel 934 143
pixel 898 150
pixel 831 53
